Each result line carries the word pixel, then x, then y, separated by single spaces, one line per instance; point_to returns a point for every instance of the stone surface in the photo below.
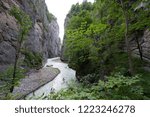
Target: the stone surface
pixel 144 41
pixel 34 81
pixel 146 45
pixel 42 38
pixel 53 43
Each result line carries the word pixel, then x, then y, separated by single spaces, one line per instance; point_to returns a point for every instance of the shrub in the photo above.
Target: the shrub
pixel 32 59
pixel 50 17
pixel 6 81
pixel 90 78
pixel 121 87
pixel 116 87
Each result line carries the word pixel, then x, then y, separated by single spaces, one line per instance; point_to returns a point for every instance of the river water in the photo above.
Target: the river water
pixel 61 81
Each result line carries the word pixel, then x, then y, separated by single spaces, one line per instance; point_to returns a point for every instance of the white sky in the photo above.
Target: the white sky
pixel 60 8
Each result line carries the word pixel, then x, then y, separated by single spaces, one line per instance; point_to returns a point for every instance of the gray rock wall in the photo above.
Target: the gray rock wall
pixel 42 38
pixel 146 45
pixel 144 41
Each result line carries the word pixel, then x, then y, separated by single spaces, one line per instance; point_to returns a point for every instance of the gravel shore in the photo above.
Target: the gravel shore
pixel 34 81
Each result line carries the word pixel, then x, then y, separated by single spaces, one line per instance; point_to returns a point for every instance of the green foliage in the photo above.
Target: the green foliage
pixel 95 48
pixel 78 8
pixel 50 17
pixel 121 87
pixel 74 92
pixel 141 67
pixel 95 35
pixel 87 41
pixel 78 48
pixel 90 78
pixel 23 19
pixel 117 87
pixel 145 82
pixel 25 24
pixel 6 79
pixel 32 59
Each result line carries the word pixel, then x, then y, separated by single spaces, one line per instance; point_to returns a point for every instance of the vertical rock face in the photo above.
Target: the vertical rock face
pixel 144 42
pixel 54 44
pixel 146 45
pixel 43 38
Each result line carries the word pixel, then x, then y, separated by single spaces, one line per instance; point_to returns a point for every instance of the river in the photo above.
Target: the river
pixel 61 81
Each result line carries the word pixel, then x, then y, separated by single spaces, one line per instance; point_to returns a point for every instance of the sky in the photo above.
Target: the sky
pixel 60 8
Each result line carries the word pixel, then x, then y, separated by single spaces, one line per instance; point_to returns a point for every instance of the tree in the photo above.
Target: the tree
pixel 126 20
pixel 25 24
pixel 97 35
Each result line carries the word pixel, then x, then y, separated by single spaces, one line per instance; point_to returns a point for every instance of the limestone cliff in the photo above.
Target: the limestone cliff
pixel 43 38
pixel 144 43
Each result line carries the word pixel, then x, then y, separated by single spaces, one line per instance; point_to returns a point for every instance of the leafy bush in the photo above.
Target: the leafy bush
pixel 121 87
pixel 117 87
pixel 6 80
pixel 89 78
pixel 50 17
pixel 32 59
pixel 74 92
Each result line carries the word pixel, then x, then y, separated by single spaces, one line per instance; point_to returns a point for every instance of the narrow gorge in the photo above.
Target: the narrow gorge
pixel 105 52
pixel 42 42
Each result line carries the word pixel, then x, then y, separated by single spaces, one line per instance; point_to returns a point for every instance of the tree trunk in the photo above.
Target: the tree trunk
pixel 19 43
pixel 127 40
pixel 139 48
pixel 15 68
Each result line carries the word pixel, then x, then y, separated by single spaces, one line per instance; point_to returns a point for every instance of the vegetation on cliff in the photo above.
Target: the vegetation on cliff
pixel 20 49
pixel 99 40
pixel 12 76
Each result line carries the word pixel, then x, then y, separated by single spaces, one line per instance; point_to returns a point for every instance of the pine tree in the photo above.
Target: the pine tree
pixel 25 24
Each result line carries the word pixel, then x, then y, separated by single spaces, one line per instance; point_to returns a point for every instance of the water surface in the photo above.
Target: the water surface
pixel 61 81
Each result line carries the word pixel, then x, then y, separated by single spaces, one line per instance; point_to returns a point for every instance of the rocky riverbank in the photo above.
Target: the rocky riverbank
pixel 34 81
